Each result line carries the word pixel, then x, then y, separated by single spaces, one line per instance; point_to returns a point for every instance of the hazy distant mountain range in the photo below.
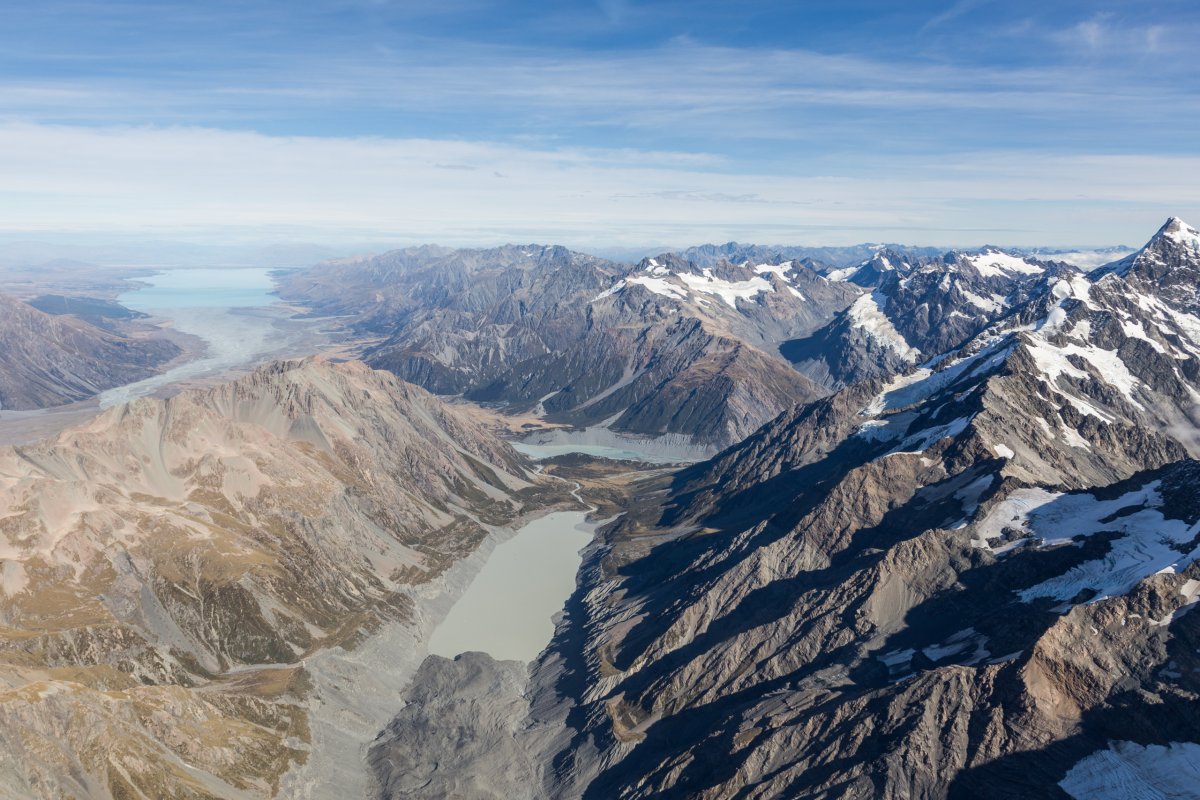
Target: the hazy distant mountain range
pixel 658 349
pixel 666 347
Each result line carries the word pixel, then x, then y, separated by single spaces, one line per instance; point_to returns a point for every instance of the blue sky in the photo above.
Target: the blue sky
pixel 613 122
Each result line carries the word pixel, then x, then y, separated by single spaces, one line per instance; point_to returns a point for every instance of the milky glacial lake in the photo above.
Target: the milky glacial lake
pixel 540 451
pixel 605 443
pixel 506 611
pixel 229 309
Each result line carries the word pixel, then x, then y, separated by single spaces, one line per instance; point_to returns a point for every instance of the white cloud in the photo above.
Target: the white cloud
pixel 1092 32
pixel 706 90
pixel 1103 33
pixel 64 178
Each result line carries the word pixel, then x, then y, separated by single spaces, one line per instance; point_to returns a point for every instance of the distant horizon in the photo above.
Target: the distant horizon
pixel 804 236
pixel 122 249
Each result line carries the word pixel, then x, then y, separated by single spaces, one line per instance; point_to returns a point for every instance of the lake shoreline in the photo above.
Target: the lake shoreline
pixel 344 728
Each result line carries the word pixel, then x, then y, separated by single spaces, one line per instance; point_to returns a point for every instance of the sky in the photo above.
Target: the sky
pixel 614 123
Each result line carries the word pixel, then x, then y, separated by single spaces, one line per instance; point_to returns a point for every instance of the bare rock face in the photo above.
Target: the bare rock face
pixel 51 360
pixel 171 570
pixel 662 348
pixel 975 579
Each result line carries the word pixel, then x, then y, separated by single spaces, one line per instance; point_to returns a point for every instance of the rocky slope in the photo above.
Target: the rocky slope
pixel 459 733
pixel 661 348
pixel 972 580
pixel 51 360
pixel 97 311
pixel 188 585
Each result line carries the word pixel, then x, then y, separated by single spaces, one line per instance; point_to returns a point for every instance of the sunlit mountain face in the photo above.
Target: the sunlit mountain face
pixel 949 499
pixel 593 400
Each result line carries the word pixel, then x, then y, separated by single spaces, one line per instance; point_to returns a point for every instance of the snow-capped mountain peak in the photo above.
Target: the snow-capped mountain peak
pixel 1175 228
pixel 1167 267
pixel 1175 239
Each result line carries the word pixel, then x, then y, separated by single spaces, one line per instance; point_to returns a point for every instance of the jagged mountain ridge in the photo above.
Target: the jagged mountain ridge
pixel 963 582
pixel 52 360
pixel 653 349
pixel 821 259
pixel 173 570
pixel 914 309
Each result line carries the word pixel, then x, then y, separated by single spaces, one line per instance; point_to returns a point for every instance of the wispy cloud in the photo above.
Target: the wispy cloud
pixel 1091 33
pixel 1103 33
pixel 129 179
pixel 953 12
pixel 705 97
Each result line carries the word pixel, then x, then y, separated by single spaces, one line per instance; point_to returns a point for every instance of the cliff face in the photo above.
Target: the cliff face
pixel 48 360
pixel 171 570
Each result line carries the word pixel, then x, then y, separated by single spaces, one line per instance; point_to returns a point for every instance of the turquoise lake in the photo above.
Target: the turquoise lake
pixel 232 311
pixel 202 288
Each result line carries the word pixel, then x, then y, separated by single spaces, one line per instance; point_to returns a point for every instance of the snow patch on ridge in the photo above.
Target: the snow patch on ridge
pixel 729 291
pixel 841 275
pixel 780 270
pixel 659 286
pixel 991 305
pixel 1131 771
pixel 1053 361
pixel 1146 545
pixel 609 292
pixel 867 315
pixel 995 264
